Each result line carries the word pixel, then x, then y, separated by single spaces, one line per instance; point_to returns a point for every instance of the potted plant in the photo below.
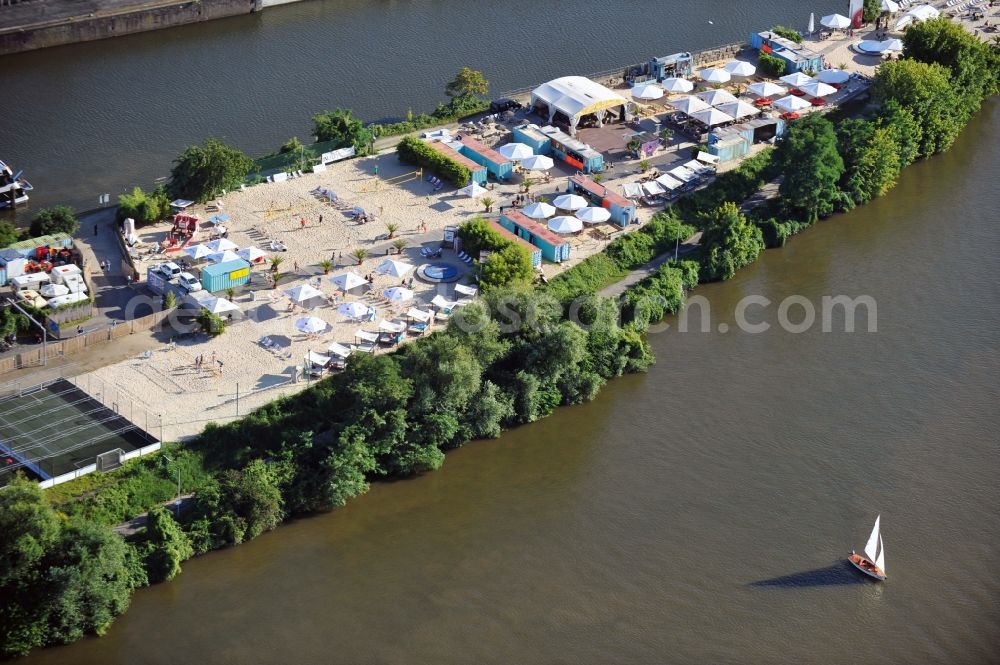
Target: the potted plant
pixel 326 265
pixel 276 262
pixel 487 202
pixel 360 254
pixel 400 245
pixel 391 228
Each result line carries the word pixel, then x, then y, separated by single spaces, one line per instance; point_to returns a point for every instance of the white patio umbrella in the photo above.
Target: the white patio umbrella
pixel 831 76
pixel 570 202
pixel 688 104
pixel 767 89
pixel 303 292
pixel 836 22
pixel 738 109
pixel 310 325
pixel 817 89
pixel 538 163
pixel 715 97
pixel 224 257
pixel 354 310
pixel 565 224
pixel 515 151
pixel 473 190
pixel 539 210
pixel 251 254
pixel 394 268
pixel 219 306
pixel 221 245
pixel 593 215
pixel 892 45
pixel 714 75
pixel 712 117
pixel 812 22
pixel 796 79
pixel 198 252
pixel 347 281
pixel 677 84
pixel 791 103
pixel 53 290
pixel 647 91
pixel 740 68
pixel 890 6
pixel 398 294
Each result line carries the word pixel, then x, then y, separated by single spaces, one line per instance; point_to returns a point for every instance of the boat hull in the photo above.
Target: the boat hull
pixel 867 567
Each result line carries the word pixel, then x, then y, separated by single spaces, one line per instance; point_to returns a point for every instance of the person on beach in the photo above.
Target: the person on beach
pixel 302 223
pixel 321 219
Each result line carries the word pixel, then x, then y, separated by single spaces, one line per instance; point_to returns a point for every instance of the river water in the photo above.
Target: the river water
pixel 104 116
pixel 698 513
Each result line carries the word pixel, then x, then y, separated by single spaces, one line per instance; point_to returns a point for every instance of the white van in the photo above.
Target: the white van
pixel 68 299
pixel 60 273
pixel 33 281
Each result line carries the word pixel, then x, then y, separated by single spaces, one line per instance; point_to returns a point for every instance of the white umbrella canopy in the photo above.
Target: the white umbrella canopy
pixel 740 68
pixel 539 210
pixel 712 117
pixel 892 45
pixel 647 91
pixel 251 254
pixel 398 294
pixel 473 190
pixel 303 292
pixel 676 84
pixel 224 257
pixel 715 75
pixel 394 268
pixel 831 76
pixel 538 163
pixel 565 224
pixel 347 281
pixel 688 104
pixel 715 97
pixel 198 252
pixel 738 109
pixel 767 89
pixel 792 103
pixel 796 79
pixel 593 215
pixel 835 22
pixel 221 245
pixel 310 325
pixel 570 202
pixel 890 6
pixel 219 306
pixel 515 151
pixel 354 310
pixel 817 89
pixel 53 290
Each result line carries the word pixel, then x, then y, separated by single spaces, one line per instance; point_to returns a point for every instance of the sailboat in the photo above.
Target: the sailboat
pixel 873 563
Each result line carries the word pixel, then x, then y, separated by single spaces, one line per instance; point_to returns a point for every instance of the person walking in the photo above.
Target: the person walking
pixel 95 229
pixel 302 223
pixel 321 219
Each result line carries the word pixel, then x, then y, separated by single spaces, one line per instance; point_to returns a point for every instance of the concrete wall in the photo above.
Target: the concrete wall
pixel 56 33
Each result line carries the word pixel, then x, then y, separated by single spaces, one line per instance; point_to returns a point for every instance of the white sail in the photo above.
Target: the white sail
pixel 870 548
pixel 880 562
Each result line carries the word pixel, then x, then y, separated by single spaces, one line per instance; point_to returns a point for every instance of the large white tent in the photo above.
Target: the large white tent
pixel 712 117
pixel 570 202
pixel 394 268
pixel 538 163
pixel 577 96
pixel 689 104
pixel 302 293
pixel 836 22
pixel 739 109
pixel 716 97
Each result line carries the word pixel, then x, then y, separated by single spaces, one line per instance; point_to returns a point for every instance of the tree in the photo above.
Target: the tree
pixel 203 171
pixel 144 207
pixel 872 10
pixel 399 245
pixel 326 265
pixel 812 167
pixel 510 264
pixel 770 65
pixel 57 219
pixel 341 127
pixel 905 129
pixel 276 262
pixel 666 135
pixel 730 242
pixel 210 322
pixel 871 158
pixel 927 91
pixel 360 254
pixel 291 145
pixel 166 546
pixel 468 83
pixel 8 234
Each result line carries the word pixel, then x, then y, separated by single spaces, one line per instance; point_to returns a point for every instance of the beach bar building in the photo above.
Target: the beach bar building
pixel 228 274
pixel 622 209
pixel 669 66
pixel 553 246
pixel 478 170
pixel 499 166
pixel 536 252
pixel 531 135
pixel 798 58
pixel 575 153
pixel 570 98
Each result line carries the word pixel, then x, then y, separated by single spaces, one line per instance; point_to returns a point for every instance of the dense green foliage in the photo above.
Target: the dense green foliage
pixel 871 158
pixel 926 90
pixel 144 207
pixel 729 242
pixel 872 10
pixel 345 130
pixel 210 322
pixel 468 83
pixel 787 33
pixel 455 109
pixel 770 65
pixel 57 219
pixel 8 234
pixel 735 185
pixel 812 167
pixel 412 150
pixel 203 171
pixel 165 546
pixel 508 262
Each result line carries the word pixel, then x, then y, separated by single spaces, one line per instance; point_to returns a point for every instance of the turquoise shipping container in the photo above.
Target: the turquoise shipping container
pixel 221 276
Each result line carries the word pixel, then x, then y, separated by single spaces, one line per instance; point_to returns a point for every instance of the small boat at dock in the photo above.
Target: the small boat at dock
pixel 873 561
pixel 13 187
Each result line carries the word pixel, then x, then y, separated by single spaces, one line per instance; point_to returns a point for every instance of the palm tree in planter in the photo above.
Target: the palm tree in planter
pixel 326 265
pixel 400 245
pixel 487 202
pixel 598 178
pixel 276 262
pixel 230 294
pixel 666 135
pixel 275 276
pixel 643 165
pixel 633 146
pixel 391 228
pixel 360 254
pixel 527 183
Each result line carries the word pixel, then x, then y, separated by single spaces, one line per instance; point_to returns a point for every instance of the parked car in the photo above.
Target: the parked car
pixel 189 282
pixel 169 269
pixel 504 104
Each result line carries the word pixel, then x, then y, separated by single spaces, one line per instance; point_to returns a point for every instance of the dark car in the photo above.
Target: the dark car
pixel 504 104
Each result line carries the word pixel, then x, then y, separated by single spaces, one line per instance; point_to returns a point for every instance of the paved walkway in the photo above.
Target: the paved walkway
pixel 644 271
pixel 137 523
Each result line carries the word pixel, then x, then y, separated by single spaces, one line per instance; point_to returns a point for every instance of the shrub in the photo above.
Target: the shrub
pixel 414 151
pixel 144 207
pixel 8 234
pixel 787 33
pixel 57 219
pixel 202 171
pixel 771 65
pixel 341 127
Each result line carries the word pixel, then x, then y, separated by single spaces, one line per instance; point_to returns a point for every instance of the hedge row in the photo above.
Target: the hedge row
pixel 415 151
